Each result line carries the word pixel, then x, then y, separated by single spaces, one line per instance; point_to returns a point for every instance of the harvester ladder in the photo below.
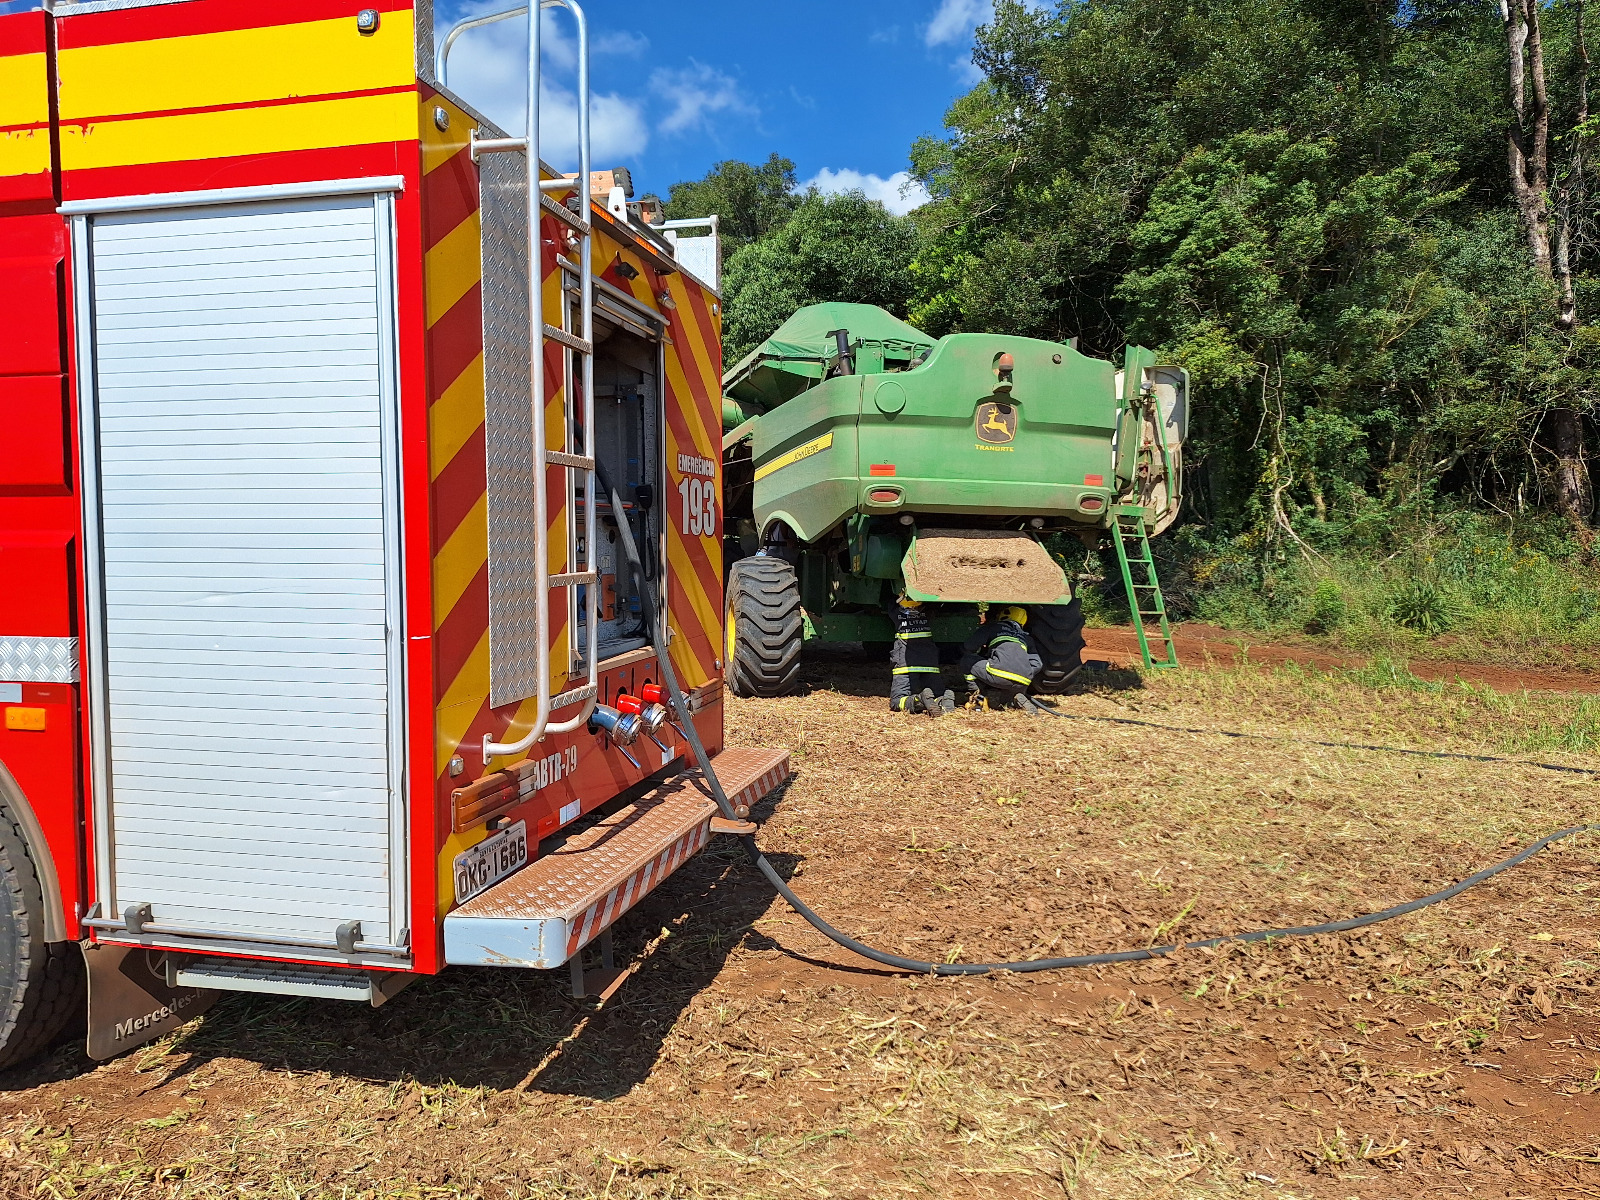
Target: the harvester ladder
pixel 1145 601
pixel 577 453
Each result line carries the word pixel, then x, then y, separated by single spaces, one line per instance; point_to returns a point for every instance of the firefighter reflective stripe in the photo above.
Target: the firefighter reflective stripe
pixel 908 636
pixel 1022 679
pixel 1003 639
pixel 916 670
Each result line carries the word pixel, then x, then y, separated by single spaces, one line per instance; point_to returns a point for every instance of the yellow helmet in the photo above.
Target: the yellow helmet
pixel 910 602
pixel 1016 613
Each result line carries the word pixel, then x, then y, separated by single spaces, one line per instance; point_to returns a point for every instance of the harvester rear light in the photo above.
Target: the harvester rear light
pixel 884 496
pixel 881 470
pixel 1091 504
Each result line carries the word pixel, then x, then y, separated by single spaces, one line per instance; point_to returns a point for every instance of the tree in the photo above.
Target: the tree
pixel 749 201
pixel 1306 202
pixel 835 247
pixel 1528 149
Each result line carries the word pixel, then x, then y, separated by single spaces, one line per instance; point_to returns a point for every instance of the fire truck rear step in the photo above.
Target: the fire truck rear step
pixel 550 910
pixel 286 979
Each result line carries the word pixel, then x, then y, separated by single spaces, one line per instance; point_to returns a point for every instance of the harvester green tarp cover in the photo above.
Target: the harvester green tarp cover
pixel 795 355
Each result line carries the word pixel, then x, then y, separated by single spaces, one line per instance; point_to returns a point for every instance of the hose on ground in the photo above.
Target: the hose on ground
pixel 1118 956
pixel 770 873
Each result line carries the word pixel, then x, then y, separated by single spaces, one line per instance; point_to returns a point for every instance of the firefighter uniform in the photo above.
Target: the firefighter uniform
pixel 914 660
pixel 1000 660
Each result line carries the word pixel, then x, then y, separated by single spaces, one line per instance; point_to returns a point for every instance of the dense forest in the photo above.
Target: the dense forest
pixel 1366 228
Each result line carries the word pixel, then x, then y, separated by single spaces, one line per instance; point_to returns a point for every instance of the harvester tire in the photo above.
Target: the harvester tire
pixel 41 983
pixel 1057 630
pixel 765 629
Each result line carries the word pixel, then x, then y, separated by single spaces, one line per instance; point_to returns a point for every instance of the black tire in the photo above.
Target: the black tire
pixel 1057 630
pixel 765 628
pixel 41 983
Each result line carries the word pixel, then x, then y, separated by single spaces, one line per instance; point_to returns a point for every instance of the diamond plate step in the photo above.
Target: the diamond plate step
pixel 556 905
pixel 288 979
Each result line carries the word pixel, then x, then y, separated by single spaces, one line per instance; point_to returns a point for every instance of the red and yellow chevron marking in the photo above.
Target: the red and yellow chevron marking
pixel 214 81
pixel 453 287
pixel 452 233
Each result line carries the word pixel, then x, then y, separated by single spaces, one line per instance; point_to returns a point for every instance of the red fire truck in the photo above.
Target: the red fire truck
pixel 320 663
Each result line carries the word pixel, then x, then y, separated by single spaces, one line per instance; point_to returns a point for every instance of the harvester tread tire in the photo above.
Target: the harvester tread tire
pixel 1057 631
pixel 41 983
pixel 766 628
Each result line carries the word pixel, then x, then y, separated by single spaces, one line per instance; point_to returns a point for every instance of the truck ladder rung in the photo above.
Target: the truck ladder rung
pixel 571 341
pixel 575 696
pixel 574 579
pixel 562 213
pixel 557 458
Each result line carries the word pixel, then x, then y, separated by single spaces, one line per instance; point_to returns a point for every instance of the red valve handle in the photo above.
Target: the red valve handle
pixel 630 704
pixel 654 693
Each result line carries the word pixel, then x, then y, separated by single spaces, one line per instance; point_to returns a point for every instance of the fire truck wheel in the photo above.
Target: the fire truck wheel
pixel 765 628
pixel 1057 630
pixel 41 983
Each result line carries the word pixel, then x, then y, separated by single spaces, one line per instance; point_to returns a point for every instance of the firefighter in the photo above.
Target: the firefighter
pixel 1000 660
pixel 914 662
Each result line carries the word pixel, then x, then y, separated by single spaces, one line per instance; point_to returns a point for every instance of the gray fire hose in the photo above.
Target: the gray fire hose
pixel 680 706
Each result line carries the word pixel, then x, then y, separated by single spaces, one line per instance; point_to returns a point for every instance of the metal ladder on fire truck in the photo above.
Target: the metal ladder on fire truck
pixel 578 348
pixel 547 913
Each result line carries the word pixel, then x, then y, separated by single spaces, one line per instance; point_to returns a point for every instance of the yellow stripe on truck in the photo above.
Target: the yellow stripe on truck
pixel 24 151
pixel 24 96
pixel 815 446
pixel 236 66
pixel 352 121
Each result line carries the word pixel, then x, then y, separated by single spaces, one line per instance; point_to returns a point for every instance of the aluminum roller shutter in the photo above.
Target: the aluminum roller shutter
pixel 249 677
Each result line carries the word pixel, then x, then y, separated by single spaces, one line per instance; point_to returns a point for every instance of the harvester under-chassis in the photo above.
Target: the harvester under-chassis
pixel 863 458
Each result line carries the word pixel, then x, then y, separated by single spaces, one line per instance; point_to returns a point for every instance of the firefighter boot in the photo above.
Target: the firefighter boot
pixel 947 702
pixel 1022 701
pixel 930 703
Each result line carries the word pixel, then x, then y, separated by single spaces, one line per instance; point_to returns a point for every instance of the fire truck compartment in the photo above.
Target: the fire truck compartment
pixel 238 420
pixel 627 416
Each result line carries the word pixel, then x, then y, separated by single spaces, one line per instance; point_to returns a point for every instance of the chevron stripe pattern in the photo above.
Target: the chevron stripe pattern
pixel 453 282
pixel 600 915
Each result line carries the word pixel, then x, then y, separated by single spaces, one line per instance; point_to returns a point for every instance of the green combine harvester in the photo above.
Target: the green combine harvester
pixel 862 457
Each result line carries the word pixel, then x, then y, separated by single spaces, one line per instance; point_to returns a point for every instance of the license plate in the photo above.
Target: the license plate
pixel 491 860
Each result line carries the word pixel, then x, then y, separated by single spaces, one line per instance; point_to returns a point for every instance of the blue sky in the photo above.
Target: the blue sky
pixel 841 88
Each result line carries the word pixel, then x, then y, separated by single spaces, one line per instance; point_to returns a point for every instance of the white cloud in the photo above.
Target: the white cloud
pixel 622 44
pixel 617 129
pixel 489 70
pixel 694 93
pixel 899 193
pixel 955 21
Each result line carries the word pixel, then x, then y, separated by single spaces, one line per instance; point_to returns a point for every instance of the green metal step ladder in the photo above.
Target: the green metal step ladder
pixel 1144 595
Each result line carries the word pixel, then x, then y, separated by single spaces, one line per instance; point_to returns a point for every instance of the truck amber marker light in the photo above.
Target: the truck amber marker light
pixel 455 592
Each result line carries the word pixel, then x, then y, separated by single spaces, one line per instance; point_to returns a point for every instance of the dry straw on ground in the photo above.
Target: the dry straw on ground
pixel 1454 1052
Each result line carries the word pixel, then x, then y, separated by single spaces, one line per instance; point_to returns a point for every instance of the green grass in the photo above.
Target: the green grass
pixel 1456 586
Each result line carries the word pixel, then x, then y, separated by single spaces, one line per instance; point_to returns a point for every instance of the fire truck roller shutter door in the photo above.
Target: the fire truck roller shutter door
pixel 245 620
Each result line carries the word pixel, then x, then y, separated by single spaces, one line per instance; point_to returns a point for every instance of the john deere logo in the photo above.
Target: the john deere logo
pixel 997 423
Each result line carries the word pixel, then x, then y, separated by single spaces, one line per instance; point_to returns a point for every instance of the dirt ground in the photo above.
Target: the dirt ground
pixel 1200 643
pixel 1454 1052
